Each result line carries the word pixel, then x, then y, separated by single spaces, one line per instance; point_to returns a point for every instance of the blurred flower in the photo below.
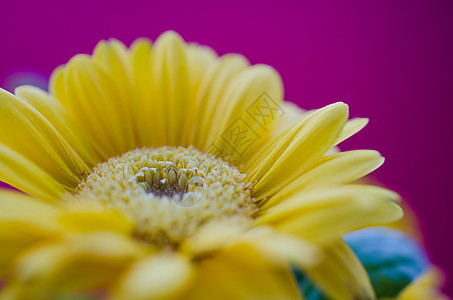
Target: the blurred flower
pixel 165 171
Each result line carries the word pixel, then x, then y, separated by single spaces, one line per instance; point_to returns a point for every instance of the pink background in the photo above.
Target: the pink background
pixel 389 60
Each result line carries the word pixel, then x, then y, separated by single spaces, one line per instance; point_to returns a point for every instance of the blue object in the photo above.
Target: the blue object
pixel 391 258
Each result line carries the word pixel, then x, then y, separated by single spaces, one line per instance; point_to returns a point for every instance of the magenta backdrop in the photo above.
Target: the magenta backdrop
pixel 390 61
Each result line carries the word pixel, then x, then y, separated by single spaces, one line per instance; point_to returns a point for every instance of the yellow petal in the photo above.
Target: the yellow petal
pixel 240 274
pixel 214 236
pixel 279 248
pixel 81 262
pixel 275 247
pixel 94 100
pixel 292 116
pixel 170 86
pixel 426 287
pixel 320 214
pixel 39 141
pixel 336 169
pixel 114 59
pixel 157 277
pixel 247 111
pixel 140 53
pixel 245 90
pixel 55 113
pixel 200 60
pixel 11 292
pixel 21 173
pixel 211 90
pixel 57 86
pixel 20 207
pixel 23 222
pixel 88 218
pixel 306 143
pixel 352 127
pixel 340 275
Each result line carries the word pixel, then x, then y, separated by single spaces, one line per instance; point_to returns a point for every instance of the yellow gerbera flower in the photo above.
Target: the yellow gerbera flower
pixel 165 171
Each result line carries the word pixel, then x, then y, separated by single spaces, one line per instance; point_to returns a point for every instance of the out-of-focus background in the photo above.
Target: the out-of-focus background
pixel 390 60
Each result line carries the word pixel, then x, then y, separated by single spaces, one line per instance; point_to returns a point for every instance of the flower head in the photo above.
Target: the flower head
pixel 165 171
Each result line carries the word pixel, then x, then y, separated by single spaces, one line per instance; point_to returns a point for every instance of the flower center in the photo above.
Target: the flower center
pixel 169 192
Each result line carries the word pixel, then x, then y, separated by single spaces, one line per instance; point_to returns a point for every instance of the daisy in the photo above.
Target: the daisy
pixel 165 171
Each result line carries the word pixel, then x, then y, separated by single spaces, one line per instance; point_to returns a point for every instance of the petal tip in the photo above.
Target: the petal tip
pixel 169 37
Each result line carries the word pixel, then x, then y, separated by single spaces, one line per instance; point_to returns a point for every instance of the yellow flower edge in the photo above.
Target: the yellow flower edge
pixel 165 171
pixel 425 287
